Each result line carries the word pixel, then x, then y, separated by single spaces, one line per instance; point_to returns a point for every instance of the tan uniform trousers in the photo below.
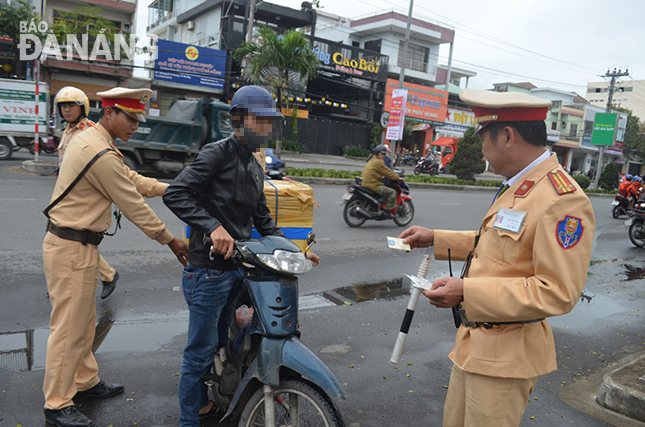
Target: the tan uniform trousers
pixel 107 272
pixel 480 401
pixel 71 270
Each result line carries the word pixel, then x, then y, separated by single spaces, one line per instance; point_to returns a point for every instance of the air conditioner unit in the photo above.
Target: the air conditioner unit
pixel 190 25
pixel 563 124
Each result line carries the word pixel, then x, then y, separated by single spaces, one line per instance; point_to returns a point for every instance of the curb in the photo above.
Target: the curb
pixel 621 391
pixel 40 167
pixel 347 181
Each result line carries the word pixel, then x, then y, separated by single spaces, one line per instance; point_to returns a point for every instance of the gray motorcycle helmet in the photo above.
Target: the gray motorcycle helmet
pixel 381 149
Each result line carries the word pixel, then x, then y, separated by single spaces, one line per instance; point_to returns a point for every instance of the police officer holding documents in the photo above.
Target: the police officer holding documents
pixel 91 178
pixel 528 261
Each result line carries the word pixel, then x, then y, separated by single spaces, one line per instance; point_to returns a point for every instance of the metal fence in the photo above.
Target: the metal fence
pixel 329 136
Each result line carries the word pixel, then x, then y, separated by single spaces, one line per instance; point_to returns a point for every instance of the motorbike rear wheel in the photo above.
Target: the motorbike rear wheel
pixel 293 397
pixel 404 213
pixel 353 218
pixel 637 234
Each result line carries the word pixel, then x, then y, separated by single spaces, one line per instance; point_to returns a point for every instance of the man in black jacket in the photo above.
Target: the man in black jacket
pixel 221 196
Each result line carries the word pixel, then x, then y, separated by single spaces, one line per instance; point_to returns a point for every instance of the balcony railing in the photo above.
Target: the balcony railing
pixel 411 64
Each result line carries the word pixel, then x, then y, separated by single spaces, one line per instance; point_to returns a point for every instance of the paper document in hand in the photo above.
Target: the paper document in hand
pixel 422 284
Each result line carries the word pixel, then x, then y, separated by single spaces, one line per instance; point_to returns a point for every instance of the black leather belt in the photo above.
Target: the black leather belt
pixel 84 236
pixel 488 325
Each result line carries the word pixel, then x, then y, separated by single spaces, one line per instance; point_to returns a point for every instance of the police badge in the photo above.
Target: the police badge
pixel 569 231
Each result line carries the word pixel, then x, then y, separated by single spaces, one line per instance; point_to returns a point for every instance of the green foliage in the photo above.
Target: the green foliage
pixel 408 124
pixel 356 151
pixel 582 180
pixel 375 132
pixel 87 20
pixel 10 17
pixel 634 136
pixel 293 145
pixel 468 157
pixel 294 122
pixel 609 177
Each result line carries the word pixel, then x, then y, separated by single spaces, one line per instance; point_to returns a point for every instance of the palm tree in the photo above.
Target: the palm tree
pixel 288 52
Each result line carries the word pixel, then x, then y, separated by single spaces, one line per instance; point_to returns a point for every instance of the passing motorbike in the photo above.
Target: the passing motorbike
pixel 636 224
pixel 48 147
pixel 266 375
pixel 362 204
pixel 274 167
pixel 426 165
pixel 620 206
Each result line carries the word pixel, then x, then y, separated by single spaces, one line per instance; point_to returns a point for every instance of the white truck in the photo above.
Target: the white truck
pixel 18 114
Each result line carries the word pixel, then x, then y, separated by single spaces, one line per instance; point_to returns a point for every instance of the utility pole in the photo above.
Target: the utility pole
pixel 402 62
pixel 249 33
pixel 601 149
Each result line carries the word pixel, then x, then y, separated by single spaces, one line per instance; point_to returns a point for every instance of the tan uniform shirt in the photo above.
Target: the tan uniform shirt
pixel 521 276
pixel 374 172
pixel 70 130
pixel 88 205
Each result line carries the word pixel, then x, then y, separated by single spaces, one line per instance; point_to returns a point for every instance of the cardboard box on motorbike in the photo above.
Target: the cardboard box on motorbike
pixel 292 208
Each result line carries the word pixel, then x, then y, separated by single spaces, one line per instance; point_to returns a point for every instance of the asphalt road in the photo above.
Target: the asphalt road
pixel 144 321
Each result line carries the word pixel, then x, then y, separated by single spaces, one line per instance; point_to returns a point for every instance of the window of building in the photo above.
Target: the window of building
pixel 416 58
pixel 356 44
pixel 373 45
pixel 573 130
pixel 554 126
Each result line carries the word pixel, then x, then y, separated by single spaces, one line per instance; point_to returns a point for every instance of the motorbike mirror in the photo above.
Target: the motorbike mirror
pixel 311 239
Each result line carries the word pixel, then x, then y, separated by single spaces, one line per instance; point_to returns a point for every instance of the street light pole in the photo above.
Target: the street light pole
pixel 402 61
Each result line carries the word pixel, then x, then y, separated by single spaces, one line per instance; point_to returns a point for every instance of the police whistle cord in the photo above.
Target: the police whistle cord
pixel 412 305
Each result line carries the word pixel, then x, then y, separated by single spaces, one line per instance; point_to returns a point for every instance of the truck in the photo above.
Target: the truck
pixel 446 147
pixel 18 114
pixel 170 143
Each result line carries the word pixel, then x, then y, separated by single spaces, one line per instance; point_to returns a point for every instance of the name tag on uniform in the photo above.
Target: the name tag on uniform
pixel 509 220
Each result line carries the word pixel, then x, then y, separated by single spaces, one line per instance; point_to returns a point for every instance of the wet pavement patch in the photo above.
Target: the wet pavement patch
pixel 634 273
pixel 362 292
pixel 589 309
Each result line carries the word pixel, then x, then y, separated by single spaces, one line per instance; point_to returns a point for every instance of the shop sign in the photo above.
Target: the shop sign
pixel 357 67
pixel 604 127
pixel 190 65
pixel 396 120
pixel 457 117
pixel 423 102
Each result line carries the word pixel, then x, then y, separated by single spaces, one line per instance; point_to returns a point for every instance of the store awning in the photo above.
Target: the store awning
pixel 444 140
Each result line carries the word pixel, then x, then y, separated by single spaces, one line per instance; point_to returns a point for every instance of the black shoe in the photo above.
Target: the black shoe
pixel 109 287
pixel 99 391
pixel 67 417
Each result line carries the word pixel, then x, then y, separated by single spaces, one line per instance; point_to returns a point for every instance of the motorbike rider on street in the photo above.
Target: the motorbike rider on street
pixel 635 189
pixel 375 170
pixel 221 196
pixel 624 186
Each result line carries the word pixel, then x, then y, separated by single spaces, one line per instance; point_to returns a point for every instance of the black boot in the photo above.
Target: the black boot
pixel 67 417
pixel 109 287
pixel 99 391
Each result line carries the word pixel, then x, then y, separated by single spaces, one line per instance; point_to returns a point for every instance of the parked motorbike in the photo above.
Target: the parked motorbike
pixel 620 206
pixel 266 375
pixel 410 159
pixel 274 167
pixel 48 147
pixel 426 165
pixel 362 204
pixel 636 224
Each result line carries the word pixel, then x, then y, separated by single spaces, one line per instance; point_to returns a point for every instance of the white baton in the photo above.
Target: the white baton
pixel 409 312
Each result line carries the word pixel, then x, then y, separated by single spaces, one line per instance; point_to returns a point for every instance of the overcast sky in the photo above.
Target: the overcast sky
pixel 562 44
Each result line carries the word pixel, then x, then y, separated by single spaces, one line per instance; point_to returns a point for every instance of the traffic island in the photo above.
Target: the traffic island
pixel 40 167
pixel 623 390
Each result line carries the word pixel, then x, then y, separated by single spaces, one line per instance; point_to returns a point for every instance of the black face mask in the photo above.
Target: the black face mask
pixel 255 141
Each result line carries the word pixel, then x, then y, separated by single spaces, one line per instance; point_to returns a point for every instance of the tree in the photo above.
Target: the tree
pixel 11 15
pixel 468 157
pixel 609 177
pixel 634 148
pixel 86 20
pixel 290 51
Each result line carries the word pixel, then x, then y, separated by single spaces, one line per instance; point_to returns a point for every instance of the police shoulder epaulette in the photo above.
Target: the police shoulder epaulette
pixel 524 188
pixel 560 182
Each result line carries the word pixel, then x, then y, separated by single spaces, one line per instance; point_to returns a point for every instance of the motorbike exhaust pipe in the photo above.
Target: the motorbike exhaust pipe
pixel 364 212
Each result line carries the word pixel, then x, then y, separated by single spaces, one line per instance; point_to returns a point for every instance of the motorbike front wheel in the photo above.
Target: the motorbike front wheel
pixel 637 234
pixel 417 170
pixel 296 402
pixel 353 218
pixel 616 211
pixel 404 213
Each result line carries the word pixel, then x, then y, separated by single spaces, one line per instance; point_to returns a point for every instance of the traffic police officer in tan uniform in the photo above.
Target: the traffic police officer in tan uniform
pixel 71 255
pixel 527 262
pixel 73 106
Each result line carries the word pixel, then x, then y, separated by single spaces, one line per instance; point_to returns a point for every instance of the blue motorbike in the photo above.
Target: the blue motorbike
pixel 266 375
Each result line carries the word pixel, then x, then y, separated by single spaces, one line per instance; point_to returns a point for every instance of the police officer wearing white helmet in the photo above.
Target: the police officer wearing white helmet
pixel 207 196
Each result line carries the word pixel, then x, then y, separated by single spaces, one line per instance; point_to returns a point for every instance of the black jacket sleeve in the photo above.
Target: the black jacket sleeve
pixel 181 195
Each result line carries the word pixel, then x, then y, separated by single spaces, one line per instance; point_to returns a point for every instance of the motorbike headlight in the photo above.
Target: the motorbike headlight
pixel 269 160
pixel 286 262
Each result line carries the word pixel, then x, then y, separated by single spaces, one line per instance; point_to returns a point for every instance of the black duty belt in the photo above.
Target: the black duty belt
pixel 86 237
pixel 488 325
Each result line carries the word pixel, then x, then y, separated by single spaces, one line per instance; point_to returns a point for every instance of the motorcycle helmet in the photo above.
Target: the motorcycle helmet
pixel 381 149
pixel 639 179
pixel 75 95
pixel 255 100
pixel 628 177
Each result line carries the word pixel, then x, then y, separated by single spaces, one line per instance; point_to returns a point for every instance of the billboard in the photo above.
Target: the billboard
pixel 190 65
pixel 396 120
pixel 425 104
pixel 604 128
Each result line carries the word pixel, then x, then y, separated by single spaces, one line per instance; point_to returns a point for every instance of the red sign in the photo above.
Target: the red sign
pixel 424 103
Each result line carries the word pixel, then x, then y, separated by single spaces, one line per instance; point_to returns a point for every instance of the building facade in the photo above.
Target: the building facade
pixel 628 94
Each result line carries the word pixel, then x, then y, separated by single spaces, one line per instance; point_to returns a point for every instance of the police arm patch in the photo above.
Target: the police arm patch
pixel 569 231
